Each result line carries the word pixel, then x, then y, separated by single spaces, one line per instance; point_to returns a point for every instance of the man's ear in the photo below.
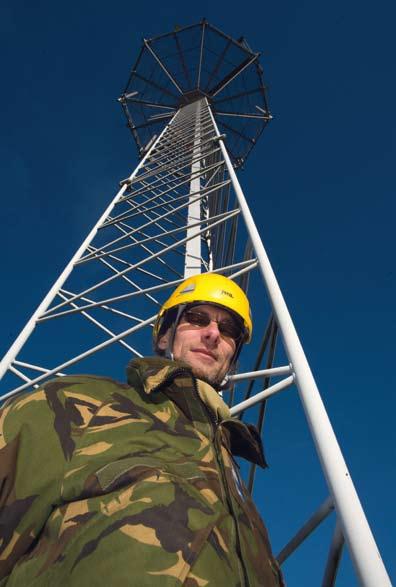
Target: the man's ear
pixel 163 341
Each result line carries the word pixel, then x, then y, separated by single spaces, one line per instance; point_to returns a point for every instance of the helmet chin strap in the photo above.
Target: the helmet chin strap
pixel 172 333
pixel 226 379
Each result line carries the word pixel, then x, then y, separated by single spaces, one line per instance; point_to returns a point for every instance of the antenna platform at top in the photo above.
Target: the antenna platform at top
pixel 190 63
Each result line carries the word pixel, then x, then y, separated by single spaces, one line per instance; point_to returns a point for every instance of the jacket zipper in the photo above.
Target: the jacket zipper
pixel 214 424
pixel 234 517
pixel 211 417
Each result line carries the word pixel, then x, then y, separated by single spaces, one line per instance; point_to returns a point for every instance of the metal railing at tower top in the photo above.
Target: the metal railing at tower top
pixel 183 210
pixel 190 63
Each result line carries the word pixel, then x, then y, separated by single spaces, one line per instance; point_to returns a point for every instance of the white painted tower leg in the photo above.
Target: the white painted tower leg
pixel 193 246
pixel 362 547
pixel 46 302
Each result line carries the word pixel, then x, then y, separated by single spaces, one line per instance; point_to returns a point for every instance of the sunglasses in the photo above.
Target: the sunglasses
pixel 227 328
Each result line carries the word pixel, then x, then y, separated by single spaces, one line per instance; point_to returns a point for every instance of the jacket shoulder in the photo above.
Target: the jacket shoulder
pixel 96 387
pixel 67 398
pixel 100 388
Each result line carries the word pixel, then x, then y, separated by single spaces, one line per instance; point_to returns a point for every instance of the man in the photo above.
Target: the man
pixel 104 483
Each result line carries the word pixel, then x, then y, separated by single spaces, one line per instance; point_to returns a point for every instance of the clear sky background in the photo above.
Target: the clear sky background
pixel 321 183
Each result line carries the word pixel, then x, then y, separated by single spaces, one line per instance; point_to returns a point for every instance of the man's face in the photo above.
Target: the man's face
pixel 203 348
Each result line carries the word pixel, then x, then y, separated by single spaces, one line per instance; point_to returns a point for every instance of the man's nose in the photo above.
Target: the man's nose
pixel 211 331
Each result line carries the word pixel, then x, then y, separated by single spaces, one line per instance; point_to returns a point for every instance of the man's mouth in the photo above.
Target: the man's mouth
pixel 206 353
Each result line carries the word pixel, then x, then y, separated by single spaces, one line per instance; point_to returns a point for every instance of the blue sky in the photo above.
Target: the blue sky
pixel 321 183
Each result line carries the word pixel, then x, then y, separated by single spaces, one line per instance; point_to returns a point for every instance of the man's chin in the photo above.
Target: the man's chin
pixel 212 378
pixel 210 373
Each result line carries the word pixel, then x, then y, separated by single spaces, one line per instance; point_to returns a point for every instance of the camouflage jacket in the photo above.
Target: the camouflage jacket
pixel 105 483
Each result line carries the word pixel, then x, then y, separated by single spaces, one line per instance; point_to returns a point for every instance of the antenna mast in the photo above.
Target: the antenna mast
pixel 196 105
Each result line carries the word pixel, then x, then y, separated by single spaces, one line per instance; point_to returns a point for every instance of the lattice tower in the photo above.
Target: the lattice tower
pixel 196 104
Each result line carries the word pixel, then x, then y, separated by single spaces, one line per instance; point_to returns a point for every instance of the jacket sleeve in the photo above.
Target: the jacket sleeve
pixel 31 471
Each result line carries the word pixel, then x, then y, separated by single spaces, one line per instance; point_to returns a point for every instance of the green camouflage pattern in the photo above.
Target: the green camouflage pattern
pixel 129 484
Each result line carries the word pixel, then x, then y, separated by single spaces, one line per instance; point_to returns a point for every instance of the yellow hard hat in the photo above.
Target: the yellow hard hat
pixel 209 288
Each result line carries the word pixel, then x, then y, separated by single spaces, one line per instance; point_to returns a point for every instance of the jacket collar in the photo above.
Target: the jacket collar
pixel 153 372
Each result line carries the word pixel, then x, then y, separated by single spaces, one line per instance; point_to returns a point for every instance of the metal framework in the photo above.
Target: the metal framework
pixel 180 212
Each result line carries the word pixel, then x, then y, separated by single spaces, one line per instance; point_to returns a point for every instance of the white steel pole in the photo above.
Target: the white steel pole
pixel 363 549
pixel 29 327
pixel 192 264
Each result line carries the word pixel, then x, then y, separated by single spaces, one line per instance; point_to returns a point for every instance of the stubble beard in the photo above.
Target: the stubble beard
pixel 214 379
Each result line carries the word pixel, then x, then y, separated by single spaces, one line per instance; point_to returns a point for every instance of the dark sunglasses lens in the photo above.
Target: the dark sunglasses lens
pixel 227 328
pixel 230 329
pixel 197 318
